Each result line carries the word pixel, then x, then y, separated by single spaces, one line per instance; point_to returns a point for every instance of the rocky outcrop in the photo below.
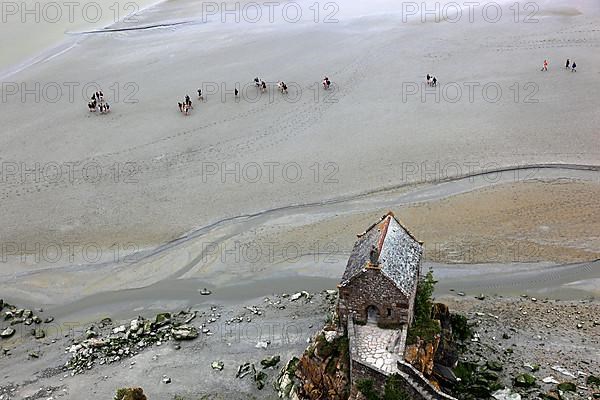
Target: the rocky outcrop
pixel 435 358
pixel 13 316
pixel 127 340
pixel 422 355
pixel 321 373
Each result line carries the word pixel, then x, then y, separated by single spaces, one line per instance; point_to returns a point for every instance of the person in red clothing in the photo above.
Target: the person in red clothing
pixel 545 67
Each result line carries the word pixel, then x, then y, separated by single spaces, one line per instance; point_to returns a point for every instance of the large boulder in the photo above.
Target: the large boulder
pixel 162 319
pixel 8 332
pixel 270 362
pixel 506 394
pixel 130 394
pixel 525 380
pixel 494 365
pixel 218 365
pixel 567 387
pixel 184 332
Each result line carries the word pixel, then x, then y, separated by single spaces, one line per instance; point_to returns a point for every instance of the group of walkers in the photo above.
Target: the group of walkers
pixel 568 65
pixel 186 105
pixel 260 84
pixel 97 103
pixel 573 65
pixel 431 80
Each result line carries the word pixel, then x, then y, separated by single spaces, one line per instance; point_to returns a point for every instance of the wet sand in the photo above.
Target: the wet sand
pixel 171 191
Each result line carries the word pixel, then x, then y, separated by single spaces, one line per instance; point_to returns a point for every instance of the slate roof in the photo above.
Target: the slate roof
pixel 397 252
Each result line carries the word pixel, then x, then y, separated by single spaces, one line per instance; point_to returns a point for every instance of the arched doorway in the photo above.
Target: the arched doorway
pixel 372 315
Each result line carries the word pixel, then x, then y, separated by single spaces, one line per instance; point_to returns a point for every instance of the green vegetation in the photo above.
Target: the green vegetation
pixel 392 391
pixel 423 325
pixel 461 329
pixel 365 386
pixel 338 351
pixel 476 381
pixel 293 366
pixel 337 347
pixel 593 381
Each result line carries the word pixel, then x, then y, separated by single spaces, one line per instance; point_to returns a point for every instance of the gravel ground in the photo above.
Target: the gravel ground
pixel 548 333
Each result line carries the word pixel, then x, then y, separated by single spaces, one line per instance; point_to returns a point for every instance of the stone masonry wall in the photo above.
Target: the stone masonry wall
pixel 372 288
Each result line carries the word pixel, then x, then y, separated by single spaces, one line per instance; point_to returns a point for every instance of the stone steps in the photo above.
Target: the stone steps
pixel 417 386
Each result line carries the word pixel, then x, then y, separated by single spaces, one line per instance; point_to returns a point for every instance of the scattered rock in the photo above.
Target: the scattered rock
pixel 525 380
pixel 532 368
pixel 593 381
pixel 6 333
pixel 259 378
pixel 218 365
pixel 243 370
pixel 270 362
pixel 494 365
pixel 563 371
pixel 506 394
pixel 567 387
pixel 262 345
pixel 120 329
pixel 127 340
pixel 330 336
pixel 298 295
pixel 184 332
pixel 39 333
pixel 550 379
pixel 162 319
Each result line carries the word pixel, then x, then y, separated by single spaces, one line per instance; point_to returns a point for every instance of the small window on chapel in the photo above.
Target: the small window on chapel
pixel 389 312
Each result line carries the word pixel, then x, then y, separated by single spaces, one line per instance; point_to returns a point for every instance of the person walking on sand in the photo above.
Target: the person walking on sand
pixel 263 86
pixel 568 64
pixel 545 66
pixel 574 67
pixel 236 92
pixel 434 81
pixel 257 82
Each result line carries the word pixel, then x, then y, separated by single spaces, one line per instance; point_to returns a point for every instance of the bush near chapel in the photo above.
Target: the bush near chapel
pixel 423 325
